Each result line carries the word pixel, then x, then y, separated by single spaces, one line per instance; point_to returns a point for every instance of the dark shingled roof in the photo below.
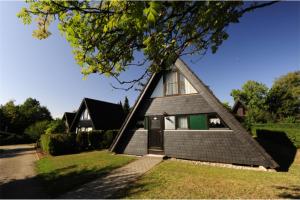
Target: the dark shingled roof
pixel 104 115
pixel 243 136
pixel 69 117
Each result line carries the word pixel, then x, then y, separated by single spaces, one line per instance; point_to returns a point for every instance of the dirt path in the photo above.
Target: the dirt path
pixel 17 174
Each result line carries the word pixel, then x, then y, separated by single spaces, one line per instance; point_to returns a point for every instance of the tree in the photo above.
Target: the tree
pixel 33 111
pixel 37 129
pixel 11 117
pixel 126 106
pixel 105 35
pixel 254 95
pixel 56 126
pixel 284 96
pixel 226 105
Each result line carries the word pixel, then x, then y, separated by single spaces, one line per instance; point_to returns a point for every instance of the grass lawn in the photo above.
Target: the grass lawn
pixel 62 173
pixel 175 179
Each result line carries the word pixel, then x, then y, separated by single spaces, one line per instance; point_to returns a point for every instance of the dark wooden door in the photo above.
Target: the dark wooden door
pixel 155 139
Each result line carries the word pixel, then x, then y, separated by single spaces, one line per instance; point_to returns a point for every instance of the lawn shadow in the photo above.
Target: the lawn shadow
pixel 278 146
pixel 28 188
pixel 61 181
pixel 291 192
pixel 9 153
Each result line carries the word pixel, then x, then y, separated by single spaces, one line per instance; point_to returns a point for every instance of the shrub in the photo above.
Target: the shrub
pixel 35 130
pixel 56 126
pixel 58 144
pixel 108 138
pixel 292 130
pixel 95 139
pixel 82 140
pixel 44 141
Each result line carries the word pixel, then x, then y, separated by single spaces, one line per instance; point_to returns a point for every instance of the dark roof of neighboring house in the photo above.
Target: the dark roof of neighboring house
pixel 69 117
pixel 238 103
pixel 208 95
pixel 104 115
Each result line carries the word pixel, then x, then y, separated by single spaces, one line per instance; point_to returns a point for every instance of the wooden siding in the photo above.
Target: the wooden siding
pixel 211 146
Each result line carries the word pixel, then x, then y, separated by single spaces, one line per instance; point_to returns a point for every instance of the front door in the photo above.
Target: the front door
pixel 155 138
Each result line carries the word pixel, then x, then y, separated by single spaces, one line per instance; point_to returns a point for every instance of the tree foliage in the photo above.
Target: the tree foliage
pixel 105 35
pixel 56 126
pixel 284 96
pixel 280 103
pixel 126 106
pixel 37 129
pixel 16 118
pixel 254 95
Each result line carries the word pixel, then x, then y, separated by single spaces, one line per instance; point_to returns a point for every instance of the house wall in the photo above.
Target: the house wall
pixel 137 142
pixel 211 146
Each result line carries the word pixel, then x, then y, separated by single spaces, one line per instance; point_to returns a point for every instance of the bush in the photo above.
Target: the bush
pixel 95 139
pixel 44 141
pixel 108 138
pixel 35 130
pixel 56 126
pixel 292 130
pixel 58 144
pixel 82 140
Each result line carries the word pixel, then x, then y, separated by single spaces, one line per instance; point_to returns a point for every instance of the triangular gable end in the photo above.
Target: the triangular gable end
pixel 82 108
pixel 241 137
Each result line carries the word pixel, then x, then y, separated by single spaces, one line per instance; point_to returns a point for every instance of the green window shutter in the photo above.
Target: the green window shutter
pixel 198 122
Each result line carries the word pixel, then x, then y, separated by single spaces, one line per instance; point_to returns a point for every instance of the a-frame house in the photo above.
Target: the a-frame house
pixel 178 116
pixel 97 115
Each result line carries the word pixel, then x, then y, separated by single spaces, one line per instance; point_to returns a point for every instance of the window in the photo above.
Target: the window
pixel 85 115
pixel 170 122
pixel 185 86
pixel 176 83
pixel 182 122
pixel 171 83
pixel 215 122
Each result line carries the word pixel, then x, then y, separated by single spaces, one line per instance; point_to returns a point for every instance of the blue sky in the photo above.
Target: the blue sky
pixel 263 46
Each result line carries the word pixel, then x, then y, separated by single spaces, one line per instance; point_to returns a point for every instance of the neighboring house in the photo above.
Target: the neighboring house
pixel 239 108
pixel 176 115
pixel 97 115
pixel 68 119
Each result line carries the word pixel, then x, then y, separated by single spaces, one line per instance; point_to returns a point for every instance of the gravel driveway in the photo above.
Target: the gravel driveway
pixel 17 174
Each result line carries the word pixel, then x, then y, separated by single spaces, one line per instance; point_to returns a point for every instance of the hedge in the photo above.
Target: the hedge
pixel 59 144
pixel 292 131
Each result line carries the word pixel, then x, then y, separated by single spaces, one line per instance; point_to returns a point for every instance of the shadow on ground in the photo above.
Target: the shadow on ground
pixel 9 153
pixel 278 146
pixel 29 188
pixel 291 192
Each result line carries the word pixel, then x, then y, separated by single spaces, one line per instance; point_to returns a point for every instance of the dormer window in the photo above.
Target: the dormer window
pixel 85 115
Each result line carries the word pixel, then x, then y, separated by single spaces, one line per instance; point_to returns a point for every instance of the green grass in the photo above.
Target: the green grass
pixel 63 173
pixel 175 179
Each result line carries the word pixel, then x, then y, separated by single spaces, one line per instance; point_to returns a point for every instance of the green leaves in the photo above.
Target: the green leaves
pixel 24 16
pixel 152 11
pixel 105 35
